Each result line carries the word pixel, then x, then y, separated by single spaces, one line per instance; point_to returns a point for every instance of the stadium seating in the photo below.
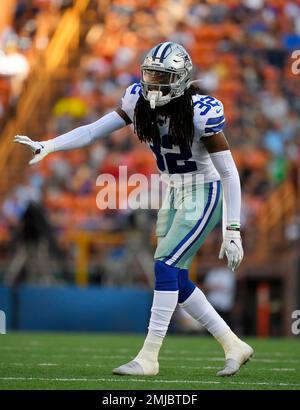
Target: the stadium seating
pixel 93 52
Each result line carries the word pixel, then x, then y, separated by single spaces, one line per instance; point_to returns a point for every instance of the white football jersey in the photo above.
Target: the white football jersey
pixel 171 159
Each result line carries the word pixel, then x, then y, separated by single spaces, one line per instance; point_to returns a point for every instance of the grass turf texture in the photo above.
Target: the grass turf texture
pixel 85 361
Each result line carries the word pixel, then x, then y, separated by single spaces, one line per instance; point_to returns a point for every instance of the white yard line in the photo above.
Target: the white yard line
pixel 278 369
pixel 75 349
pixel 51 364
pixel 64 355
pixel 275 369
pixel 221 359
pixel 104 380
pixel 188 359
pixel 126 350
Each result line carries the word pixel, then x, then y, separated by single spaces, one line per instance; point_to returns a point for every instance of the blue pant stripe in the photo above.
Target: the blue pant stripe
pixel 198 224
pixel 195 227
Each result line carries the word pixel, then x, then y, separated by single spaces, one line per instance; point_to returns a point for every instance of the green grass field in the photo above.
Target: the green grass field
pixel 85 361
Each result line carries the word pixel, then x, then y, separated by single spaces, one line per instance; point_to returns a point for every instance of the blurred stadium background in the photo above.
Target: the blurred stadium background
pixel 64 63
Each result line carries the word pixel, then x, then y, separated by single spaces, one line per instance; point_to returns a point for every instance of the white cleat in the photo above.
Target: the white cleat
pixel 240 354
pixel 135 368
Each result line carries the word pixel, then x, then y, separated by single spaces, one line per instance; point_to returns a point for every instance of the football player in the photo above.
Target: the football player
pixel 184 129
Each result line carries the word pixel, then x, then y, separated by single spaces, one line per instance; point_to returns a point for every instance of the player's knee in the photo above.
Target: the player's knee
pixel 185 285
pixel 166 277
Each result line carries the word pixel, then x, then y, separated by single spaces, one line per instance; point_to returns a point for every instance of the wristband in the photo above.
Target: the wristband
pixel 233 227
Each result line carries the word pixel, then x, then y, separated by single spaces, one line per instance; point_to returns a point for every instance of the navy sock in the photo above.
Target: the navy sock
pixel 186 286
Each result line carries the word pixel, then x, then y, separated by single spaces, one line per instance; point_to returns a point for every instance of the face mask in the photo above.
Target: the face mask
pixel 154 98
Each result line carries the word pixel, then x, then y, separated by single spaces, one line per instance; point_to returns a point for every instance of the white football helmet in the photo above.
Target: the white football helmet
pixel 166 73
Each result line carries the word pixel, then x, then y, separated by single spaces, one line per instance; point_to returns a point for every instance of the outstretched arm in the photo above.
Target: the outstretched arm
pixel 77 138
pixel 220 154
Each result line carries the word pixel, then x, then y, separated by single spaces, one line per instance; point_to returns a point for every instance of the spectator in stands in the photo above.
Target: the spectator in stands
pixel 35 247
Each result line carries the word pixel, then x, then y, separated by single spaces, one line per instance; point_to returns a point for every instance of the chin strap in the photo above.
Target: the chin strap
pixel 200 80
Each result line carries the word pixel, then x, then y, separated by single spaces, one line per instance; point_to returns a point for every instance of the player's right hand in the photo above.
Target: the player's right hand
pixel 232 248
pixel 39 149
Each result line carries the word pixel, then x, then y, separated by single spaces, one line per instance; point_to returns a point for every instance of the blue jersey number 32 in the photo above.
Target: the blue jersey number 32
pixel 170 161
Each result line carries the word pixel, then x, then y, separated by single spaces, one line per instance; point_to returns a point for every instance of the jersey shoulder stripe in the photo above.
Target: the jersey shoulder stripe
pixel 215 121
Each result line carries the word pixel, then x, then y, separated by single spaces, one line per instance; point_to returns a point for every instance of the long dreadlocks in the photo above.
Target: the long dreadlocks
pixel 181 112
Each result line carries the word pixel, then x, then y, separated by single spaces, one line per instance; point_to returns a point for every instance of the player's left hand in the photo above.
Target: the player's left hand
pixel 232 248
